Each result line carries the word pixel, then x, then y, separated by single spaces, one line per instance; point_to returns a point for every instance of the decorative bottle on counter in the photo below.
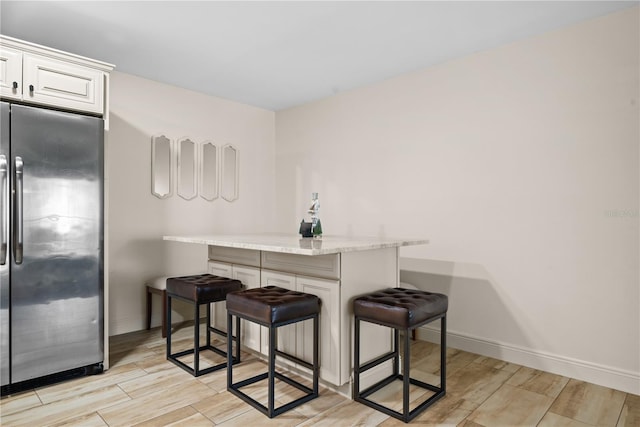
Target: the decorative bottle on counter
pixel 317 229
pixel 314 210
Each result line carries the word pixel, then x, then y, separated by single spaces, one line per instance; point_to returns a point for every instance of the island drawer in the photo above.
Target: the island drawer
pixel 323 266
pixel 235 255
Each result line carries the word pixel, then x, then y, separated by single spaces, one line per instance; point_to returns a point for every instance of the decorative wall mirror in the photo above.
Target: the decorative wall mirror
pixel 229 179
pixel 161 170
pixel 187 168
pixel 208 171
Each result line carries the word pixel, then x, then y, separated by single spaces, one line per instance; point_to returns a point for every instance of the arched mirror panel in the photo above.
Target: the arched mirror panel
pixel 229 184
pixel 161 168
pixel 208 171
pixel 187 168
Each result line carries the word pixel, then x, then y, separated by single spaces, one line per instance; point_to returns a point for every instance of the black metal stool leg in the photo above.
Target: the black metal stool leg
pixel 168 325
pixel 396 350
pixel 196 339
pixel 356 357
pixel 406 378
pixel 229 351
pixel 316 353
pixel 208 343
pixel 443 353
pixel 230 338
pixel 272 369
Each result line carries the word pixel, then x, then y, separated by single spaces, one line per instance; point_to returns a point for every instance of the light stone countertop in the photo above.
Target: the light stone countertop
pixel 294 244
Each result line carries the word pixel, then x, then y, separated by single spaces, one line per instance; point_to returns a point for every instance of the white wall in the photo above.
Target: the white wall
pixel 141 108
pixel 520 164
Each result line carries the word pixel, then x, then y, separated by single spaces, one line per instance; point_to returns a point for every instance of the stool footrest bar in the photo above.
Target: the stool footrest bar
pixel 251 380
pixel 377 361
pixel 222 333
pixel 294 359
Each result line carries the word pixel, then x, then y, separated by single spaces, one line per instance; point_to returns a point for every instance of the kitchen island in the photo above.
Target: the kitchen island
pixel 336 269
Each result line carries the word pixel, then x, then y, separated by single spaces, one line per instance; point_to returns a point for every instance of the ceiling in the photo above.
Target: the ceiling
pixel 277 55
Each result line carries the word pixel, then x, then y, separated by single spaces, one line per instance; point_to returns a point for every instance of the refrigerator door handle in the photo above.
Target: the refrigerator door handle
pixel 17 237
pixel 3 209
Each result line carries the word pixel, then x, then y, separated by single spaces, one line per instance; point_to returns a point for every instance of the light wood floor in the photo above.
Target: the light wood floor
pixel 143 389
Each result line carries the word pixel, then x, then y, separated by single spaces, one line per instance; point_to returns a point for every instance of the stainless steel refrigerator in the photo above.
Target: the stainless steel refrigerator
pixel 51 246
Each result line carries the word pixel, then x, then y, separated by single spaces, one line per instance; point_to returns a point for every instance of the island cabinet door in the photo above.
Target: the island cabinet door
pixel 250 278
pixel 286 334
pixel 329 342
pixel 218 309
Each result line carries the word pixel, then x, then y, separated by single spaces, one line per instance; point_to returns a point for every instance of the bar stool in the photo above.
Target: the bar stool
pixel 403 310
pixel 197 290
pixel 273 307
pixel 157 286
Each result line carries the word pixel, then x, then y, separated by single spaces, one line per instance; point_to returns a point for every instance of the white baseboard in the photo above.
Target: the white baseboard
pixel 606 376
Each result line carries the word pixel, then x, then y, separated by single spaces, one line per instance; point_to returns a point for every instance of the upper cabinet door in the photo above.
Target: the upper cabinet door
pixel 10 73
pixel 52 82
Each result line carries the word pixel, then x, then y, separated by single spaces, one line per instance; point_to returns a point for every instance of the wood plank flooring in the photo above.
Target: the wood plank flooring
pixel 143 389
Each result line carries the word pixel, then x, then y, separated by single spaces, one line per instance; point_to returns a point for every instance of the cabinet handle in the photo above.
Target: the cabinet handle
pixel 31 89
pixel 15 85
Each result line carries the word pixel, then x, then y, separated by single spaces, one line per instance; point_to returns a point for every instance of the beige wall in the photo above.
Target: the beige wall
pixel 520 164
pixel 137 220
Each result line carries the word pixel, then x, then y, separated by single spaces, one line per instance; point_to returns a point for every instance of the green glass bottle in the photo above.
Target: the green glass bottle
pixel 317 229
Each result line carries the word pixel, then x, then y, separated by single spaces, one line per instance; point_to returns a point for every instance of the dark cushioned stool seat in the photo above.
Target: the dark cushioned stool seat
pixel 273 307
pixel 201 289
pixel 403 310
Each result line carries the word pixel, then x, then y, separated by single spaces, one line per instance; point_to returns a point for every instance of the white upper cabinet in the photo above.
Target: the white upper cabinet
pixel 10 72
pixel 39 75
pixel 53 82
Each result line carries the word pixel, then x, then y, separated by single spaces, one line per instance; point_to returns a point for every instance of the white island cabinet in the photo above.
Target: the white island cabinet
pixel 336 269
